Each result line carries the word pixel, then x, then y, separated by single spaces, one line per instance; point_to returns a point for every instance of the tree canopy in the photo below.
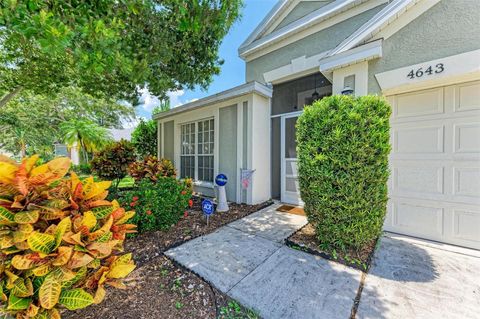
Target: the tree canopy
pixel 144 138
pixel 31 123
pixel 111 47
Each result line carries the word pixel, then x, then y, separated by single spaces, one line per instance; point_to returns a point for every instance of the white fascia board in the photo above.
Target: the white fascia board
pixel 384 16
pixel 365 52
pixel 316 16
pixel 298 67
pixel 247 88
pixel 266 22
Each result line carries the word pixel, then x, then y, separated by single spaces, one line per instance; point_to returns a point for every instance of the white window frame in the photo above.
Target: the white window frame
pixel 196 154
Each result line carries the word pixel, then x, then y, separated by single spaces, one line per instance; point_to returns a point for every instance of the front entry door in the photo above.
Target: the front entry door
pixel 290 189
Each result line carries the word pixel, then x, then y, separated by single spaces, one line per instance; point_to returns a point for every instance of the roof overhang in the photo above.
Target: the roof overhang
pixel 409 9
pixel 362 53
pixel 254 44
pixel 244 89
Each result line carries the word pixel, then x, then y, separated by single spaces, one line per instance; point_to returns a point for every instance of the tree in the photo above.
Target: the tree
pixel 162 107
pixel 37 118
pixel 86 136
pixel 144 138
pixel 113 48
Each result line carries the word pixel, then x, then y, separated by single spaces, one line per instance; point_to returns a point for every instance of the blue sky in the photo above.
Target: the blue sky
pixel 233 70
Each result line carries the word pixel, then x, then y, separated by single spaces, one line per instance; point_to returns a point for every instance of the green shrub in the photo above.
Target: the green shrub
pixel 158 205
pixel 112 162
pixel 82 169
pixel 151 167
pixel 144 138
pixel 343 147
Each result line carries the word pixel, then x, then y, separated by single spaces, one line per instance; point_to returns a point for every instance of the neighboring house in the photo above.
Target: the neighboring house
pixel 122 134
pixel 72 153
pixel 423 55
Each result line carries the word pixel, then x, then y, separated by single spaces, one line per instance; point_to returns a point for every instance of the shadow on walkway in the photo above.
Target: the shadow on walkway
pixel 403 261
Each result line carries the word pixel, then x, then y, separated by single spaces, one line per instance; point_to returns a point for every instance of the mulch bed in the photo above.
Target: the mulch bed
pixel 305 239
pixel 159 288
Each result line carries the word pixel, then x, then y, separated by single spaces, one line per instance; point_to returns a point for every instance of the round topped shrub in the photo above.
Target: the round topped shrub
pixel 343 147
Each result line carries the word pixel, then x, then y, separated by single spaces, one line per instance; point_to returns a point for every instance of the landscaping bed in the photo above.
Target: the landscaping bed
pixel 304 239
pixel 159 288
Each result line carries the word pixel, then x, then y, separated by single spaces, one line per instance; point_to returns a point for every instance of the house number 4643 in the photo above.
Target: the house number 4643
pixel 418 73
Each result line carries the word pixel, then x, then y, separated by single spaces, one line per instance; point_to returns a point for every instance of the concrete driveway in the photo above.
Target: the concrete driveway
pixel 408 279
pixel 419 279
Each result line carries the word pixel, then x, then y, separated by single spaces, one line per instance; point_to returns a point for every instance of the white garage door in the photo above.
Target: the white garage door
pixel 434 185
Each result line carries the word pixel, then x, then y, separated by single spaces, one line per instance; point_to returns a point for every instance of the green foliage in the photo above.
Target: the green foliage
pixel 114 47
pixel 87 136
pixel 112 162
pixel 152 168
pixel 144 138
pixel 60 239
pixel 163 107
pixel 82 169
pixel 343 147
pixel 31 123
pixel 233 310
pixel 158 205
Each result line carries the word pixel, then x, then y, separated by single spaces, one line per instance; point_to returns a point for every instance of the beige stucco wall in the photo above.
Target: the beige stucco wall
pixel 228 148
pixel 311 45
pixel 448 28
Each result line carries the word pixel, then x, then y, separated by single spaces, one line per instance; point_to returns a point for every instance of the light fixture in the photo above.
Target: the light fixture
pixel 347 91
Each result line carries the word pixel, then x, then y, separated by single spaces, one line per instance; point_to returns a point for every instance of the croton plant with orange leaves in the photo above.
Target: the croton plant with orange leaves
pixel 60 239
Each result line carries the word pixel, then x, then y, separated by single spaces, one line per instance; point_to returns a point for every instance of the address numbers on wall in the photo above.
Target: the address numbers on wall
pixel 430 70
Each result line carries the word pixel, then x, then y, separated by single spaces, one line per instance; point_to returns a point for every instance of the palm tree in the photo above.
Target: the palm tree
pixel 85 135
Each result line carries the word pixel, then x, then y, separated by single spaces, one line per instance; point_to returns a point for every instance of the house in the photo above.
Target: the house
pixel 423 55
pixel 121 134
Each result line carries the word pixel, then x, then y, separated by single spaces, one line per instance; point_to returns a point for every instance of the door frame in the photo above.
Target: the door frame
pixel 283 196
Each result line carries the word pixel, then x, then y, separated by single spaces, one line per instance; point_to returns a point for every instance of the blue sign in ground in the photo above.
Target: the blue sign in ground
pixel 221 179
pixel 207 207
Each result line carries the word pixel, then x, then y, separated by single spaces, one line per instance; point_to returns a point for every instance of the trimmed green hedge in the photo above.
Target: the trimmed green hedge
pixel 343 147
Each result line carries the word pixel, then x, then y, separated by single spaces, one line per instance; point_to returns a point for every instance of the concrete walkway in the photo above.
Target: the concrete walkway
pixel 408 279
pixel 247 260
pixel 413 278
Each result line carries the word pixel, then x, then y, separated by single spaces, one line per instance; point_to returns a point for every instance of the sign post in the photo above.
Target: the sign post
pixel 207 208
pixel 221 181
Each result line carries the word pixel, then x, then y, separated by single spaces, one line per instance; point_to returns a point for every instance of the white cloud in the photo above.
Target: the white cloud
pixel 175 97
pixel 192 100
pixel 133 122
pixel 149 101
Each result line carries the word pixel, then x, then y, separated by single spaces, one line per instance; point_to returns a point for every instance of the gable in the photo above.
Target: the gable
pixel 290 20
pixel 309 46
pixel 299 11
pixel 443 30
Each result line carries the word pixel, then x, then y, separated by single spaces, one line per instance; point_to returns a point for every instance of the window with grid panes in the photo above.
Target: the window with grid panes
pixel 197 150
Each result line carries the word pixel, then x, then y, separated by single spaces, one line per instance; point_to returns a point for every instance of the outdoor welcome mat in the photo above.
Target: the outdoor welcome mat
pixel 291 210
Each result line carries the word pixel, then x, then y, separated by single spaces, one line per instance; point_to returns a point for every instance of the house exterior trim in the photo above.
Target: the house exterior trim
pixel 279 8
pixel 314 22
pixel 298 67
pixel 365 52
pixel 457 68
pixel 247 88
pixel 383 18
